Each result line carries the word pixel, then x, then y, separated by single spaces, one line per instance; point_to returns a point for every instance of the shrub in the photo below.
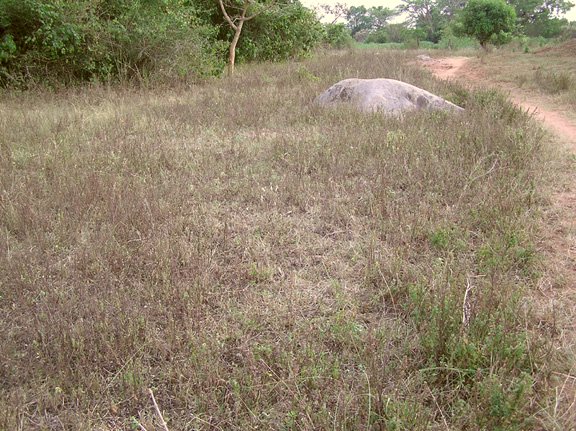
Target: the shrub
pixel 378 36
pixel 451 40
pixel 290 31
pixel 553 82
pixel 66 41
pixel 338 36
pixel 38 36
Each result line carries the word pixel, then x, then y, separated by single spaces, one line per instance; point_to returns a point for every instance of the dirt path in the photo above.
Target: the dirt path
pixel 559 287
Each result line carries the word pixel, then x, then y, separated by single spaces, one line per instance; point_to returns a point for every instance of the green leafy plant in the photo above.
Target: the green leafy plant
pixel 488 21
pixel 338 36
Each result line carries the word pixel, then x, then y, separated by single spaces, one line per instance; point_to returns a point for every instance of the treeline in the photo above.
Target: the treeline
pixel 68 41
pixel 437 21
pixel 65 41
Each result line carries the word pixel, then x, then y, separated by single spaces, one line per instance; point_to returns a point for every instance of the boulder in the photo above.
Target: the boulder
pixel 383 95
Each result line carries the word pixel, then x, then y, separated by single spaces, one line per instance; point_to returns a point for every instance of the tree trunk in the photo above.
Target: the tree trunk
pixel 232 54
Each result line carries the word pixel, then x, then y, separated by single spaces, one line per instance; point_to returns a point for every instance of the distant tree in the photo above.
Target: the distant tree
pixel 450 8
pixel 396 33
pixel 336 11
pixel 545 26
pixel 568 31
pixel 375 18
pixel 426 15
pixel 530 10
pixel 540 17
pixel 380 16
pixel 416 35
pixel 487 20
pixel 358 19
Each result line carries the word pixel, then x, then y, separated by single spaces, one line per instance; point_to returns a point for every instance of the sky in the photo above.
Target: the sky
pixel 571 15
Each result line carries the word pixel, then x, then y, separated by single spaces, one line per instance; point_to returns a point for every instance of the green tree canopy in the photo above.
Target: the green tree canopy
pixel 64 41
pixel 488 20
pixel 540 17
pixel 358 19
pixel 375 18
pixel 425 15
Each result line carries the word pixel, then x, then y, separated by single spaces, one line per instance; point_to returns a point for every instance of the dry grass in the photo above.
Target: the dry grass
pixel 263 264
pixel 549 71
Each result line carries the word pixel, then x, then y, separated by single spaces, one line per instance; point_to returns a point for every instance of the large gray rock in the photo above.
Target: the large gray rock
pixel 382 95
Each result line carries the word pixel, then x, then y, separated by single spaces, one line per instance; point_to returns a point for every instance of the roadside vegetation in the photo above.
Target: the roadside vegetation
pixel 549 71
pixel 260 263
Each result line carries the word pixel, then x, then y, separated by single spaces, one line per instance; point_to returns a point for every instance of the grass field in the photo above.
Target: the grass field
pixel 549 71
pixel 260 263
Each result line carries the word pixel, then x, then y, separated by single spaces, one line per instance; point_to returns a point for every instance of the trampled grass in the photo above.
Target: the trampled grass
pixel 264 264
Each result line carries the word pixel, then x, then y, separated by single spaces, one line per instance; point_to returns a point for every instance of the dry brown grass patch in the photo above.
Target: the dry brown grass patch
pixel 263 264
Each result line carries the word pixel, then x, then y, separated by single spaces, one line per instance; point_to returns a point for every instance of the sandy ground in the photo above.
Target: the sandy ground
pixel 559 287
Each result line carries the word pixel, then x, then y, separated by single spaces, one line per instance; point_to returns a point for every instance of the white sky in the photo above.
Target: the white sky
pixel 571 15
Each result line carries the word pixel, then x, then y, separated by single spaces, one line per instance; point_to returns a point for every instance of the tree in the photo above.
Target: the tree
pixel 336 11
pixel 396 33
pixel 358 19
pixel 380 16
pixel 426 15
pixel 236 22
pixel 450 8
pixel 488 19
pixel 287 30
pixel 540 17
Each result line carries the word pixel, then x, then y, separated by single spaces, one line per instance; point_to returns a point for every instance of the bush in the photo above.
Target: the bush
pixel 64 41
pixel 290 31
pixel 67 41
pixel 451 40
pixel 148 39
pixel 426 44
pixel 36 37
pixel 568 31
pixel 378 36
pixel 554 82
pixel 338 36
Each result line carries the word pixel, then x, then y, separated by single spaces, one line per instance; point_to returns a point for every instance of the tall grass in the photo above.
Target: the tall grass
pixel 554 82
pixel 264 264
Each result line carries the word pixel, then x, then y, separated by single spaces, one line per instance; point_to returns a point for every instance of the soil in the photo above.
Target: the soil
pixel 558 287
